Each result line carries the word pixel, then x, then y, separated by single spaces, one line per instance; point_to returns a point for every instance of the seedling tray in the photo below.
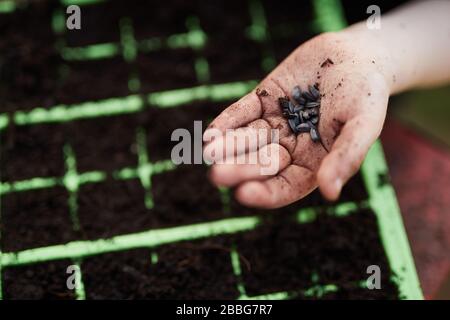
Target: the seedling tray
pixel 86 179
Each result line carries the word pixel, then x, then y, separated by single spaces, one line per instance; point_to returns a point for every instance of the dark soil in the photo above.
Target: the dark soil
pixel 226 67
pixel 110 208
pixel 193 200
pixel 32 151
pixel 292 12
pixel 94 80
pixel 116 275
pixel 166 69
pixel 189 270
pixel 100 24
pixel 106 144
pixel 42 281
pixel 151 19
pixel 288 28
pixel 347 246
pixel 35 218
pixel 101 21
pixel 283 47
pixel 28 73
pixel 164 121
pixel 215 17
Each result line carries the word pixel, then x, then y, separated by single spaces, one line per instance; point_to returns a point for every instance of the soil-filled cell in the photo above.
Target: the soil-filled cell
pixel 151 19
pixel 42 281
pixel 228 66
pixel 336 250
pixel 36 218
pixel 118 275
pixel 290 13
pixel 93 80
pixel 106 143
pixel 223 17
pixel 283 47
pixel 112 208
pixel 28 60
pixel 32 151
pixel 192 270
pixel 166 69
pixel 99 24
pixel 185 196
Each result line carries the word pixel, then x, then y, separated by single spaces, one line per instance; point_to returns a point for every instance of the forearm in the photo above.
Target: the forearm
pixel 413 44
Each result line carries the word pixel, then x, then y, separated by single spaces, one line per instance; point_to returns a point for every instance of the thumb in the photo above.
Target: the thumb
pixel 347 154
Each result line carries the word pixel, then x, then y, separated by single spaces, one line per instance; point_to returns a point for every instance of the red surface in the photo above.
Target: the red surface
pixel 420 173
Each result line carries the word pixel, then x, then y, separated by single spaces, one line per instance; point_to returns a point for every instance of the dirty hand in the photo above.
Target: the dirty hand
pixel 354 90
pixel 356 71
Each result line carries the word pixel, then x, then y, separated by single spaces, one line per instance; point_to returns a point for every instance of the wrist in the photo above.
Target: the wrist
pixel 374 53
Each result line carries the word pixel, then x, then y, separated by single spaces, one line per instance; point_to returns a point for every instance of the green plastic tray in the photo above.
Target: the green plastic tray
pixel 382 199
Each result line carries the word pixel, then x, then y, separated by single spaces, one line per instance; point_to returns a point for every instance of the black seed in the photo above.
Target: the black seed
pixel 314 135
pixel 308 96
pixel 297 93
pixel 292 125
pixel 293 115
pixel 301 101
pixel 303 127
pixel 297 109
pixel 312 104
pixel 314 120
pixel 305 115
pixel 284 103
pixel 314 92
pixel 313 112
pixel 290 107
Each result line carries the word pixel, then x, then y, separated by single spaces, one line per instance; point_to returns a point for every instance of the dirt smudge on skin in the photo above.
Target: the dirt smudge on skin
pixel 328 62
pixel 261 92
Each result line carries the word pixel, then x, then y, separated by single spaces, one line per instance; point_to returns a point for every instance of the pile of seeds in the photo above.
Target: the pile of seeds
pixel 303 114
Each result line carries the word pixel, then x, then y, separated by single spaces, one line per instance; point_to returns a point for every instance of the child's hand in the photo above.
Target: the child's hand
pixel 354 99
pixel 410 49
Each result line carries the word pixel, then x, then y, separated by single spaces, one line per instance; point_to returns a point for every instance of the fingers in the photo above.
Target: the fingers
pixel 257 134
pixel 292 184
pixel 240 113
pixel 347 154
pixel 256 165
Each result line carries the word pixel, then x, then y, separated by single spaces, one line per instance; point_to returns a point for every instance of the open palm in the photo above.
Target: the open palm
pixel 354 97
